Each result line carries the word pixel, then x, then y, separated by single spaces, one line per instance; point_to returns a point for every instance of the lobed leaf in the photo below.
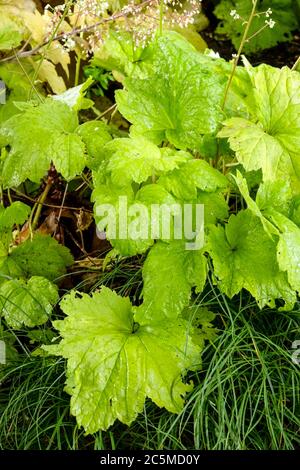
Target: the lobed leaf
pixel 169 273
pixel 271 140
pixel 42 256
pixel 40 135
pixel 27 303
pixel 244 256
pixel 114 364
pixel 169 102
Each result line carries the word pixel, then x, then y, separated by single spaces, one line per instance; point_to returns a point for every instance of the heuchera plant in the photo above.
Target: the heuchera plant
pixel 240 160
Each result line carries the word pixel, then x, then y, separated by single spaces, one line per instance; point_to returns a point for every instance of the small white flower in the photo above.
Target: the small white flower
pixel 70 44
pixel 235 15
pixel 271 23
pixel 213 54
pixel 268 12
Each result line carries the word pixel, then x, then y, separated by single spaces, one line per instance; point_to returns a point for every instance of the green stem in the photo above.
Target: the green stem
pixel 78 63
pixel 101 115
pixel 77 71
pixel 33 87
pixel 235 64
pixel 9 197
pixel 295 66
pixel 237 58
pixel 39 204
pixel 257 32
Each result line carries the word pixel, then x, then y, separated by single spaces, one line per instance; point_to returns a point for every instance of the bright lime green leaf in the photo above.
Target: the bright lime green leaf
pixel 9 269
pixel 74 97
pixel 16 213
pixel 169 273
pixel 288 248
pixel 41 335
pixel 195 269
pixel 215 207
pixel 10 354
pixel 95 134
pixel 70 155
pixel 5 240
pixel 27 303
pixel 119 53
pixel 172 159
pixel 109 193
pixel 253 207
pixel 201 319
pixel 10 33
pixel 271 140
pixel 273 205
pixel 137 159
pixel 130 223
pixel 275 194
pixel 254 148
pixel 295 210
pixel 169 102
pixel 237 102
pixel 159 224
pixel 130 247
pixel 42 256
pixel 154 194
pixel 192 34
pixel 18 86
pixel 253 178
pixel 39 135
pixel 112 216
pixel 193 175
pixel 276 101
pixel 130 228
pixel 114 363
pixel 283 13
pixel 245 257
pixel 131 160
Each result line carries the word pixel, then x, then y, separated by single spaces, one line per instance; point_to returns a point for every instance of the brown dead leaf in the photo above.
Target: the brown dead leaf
pixel 84 220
